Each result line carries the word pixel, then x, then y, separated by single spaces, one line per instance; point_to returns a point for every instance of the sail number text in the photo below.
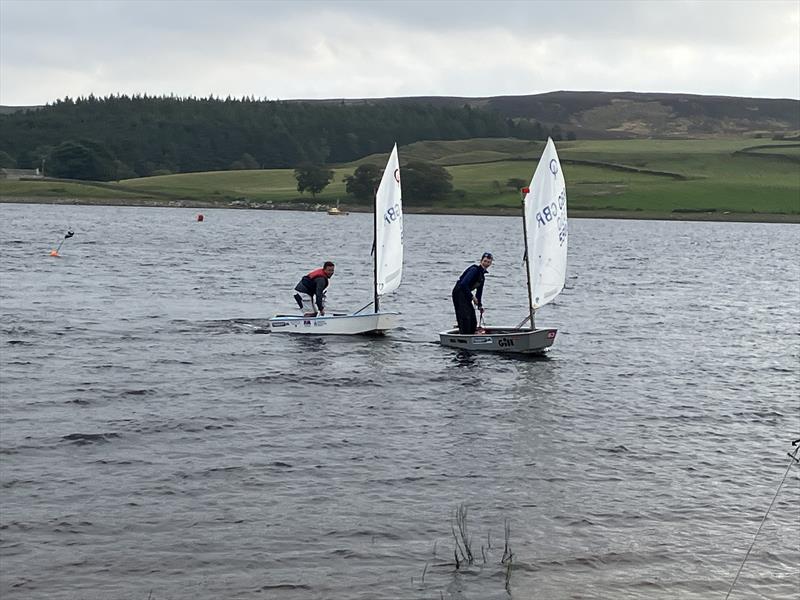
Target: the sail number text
pixel 555 212
pixel 392 214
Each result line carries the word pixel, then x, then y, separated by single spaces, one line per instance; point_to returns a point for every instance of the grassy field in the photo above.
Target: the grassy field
pixel 673 176
pixel 636 178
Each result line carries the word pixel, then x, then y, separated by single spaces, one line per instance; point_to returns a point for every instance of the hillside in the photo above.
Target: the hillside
pixel 720 179
pixel 620 115
pixel 603 115
pixel 122 137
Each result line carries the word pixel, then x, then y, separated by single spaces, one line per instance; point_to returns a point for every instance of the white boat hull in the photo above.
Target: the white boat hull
pixel 508 340
pixel 367 323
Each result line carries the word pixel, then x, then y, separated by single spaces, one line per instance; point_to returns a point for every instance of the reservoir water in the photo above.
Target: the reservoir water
pixel 156 443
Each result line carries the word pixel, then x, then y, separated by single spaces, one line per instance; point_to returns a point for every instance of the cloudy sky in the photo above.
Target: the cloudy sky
pixel 372 48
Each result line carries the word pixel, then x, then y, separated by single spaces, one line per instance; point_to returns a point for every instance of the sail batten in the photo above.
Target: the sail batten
pixel 389 228
pixel 545 213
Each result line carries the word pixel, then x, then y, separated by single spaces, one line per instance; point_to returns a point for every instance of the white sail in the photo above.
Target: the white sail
pixel 389 228
pixel 546 227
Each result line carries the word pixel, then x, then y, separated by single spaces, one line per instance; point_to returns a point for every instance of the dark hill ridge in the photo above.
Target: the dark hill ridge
pixel 123 137
pixel 10 110
pixel 633 114
pixel 602 115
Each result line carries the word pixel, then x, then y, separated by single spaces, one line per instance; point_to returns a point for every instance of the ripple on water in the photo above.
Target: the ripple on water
pixel 148 435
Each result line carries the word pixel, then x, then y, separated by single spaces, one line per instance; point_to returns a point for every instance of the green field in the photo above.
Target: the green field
pixel 648 178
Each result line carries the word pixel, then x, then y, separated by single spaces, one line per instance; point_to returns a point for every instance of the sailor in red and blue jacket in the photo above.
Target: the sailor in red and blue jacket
pixel 311 290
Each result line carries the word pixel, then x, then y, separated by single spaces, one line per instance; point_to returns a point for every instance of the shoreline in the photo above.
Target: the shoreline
pixel 640 215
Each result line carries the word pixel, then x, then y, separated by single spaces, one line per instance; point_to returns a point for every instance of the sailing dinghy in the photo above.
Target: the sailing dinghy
pixel 387 270
pixel 544 226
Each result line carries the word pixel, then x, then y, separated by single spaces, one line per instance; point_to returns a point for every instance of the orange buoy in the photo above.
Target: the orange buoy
pixel 200 217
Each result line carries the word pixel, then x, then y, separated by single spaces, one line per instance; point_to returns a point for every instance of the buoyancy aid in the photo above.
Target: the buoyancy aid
pixel 317 273
pixel 314 284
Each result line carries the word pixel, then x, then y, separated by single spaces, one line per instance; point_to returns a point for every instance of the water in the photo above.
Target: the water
pixel 155 443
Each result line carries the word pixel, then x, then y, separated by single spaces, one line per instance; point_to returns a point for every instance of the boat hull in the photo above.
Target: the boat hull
pixel 367 323
pixel 506 340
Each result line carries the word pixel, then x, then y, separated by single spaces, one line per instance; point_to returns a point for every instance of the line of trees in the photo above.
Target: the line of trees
pixel 121 137
pixel 422 182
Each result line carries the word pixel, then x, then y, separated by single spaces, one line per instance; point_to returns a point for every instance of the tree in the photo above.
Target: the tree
pixel 424 182
pixel 245 162
pixel 32 159
pixel 313 178
pixel 516 183
pixel 123 171
pixel 81 160
pixel 363 182
pixel 7 161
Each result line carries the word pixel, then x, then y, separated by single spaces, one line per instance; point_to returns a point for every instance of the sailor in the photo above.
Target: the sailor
pixel 470 281
pixel 311 290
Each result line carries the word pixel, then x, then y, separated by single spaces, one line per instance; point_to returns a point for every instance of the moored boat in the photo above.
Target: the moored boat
pixel 335 210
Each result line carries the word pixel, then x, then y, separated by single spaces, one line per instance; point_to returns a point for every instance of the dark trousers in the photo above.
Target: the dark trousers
pixel 465 312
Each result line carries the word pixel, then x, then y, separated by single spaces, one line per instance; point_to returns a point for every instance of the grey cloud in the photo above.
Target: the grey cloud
pixel 378 48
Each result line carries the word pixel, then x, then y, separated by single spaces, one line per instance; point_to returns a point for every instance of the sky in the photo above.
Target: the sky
pixel 51 49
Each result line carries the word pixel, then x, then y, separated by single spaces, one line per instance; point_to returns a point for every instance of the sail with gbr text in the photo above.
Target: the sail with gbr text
pixel 389 228
pixel 546 228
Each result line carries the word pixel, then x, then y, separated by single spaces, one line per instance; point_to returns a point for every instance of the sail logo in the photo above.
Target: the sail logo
pixel 554 166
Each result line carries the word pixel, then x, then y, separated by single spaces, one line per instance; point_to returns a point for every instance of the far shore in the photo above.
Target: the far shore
pixel 437 210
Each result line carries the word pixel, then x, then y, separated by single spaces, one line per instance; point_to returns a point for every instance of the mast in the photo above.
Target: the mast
pixel 525 192
pixel 375 251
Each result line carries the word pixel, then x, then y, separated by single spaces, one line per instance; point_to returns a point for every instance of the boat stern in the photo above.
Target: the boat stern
pixel 386 321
